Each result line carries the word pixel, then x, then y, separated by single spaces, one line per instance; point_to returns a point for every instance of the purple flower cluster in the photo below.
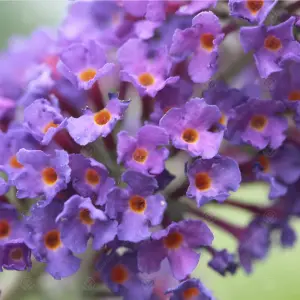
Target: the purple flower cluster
pixel 93 117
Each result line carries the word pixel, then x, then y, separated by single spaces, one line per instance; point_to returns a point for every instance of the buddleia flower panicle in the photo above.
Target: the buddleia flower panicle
pixel 122 125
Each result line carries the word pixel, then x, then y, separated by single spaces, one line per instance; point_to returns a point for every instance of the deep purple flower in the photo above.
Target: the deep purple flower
pixel 195 128
pixel 164 179
pixel 202 42
pixel 271 45
pixel 145 152
pixel 223 262
pixel 90 178
pixel 80 220
pixel 175 243
pixel 171 96
pixel 288 236
pixel 191 289
pixel 227 99
pixel 10 226
pixel 44 238
pixel 259 124
pixel 90 126
pixel 84 64
pixel 280 169
pixel 284 86
pixel 251 10
pixel 136 206
pixel 43 120
pixel 15 255
pixel 43 174
pixel 122 276
pixel 254 243
pixel 147 70
pixel 213 179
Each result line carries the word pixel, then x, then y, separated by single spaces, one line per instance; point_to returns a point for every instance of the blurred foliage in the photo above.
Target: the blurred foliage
pixel 275 278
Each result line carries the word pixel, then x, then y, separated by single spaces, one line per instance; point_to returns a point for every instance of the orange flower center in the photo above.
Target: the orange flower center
pixel 140 155
pixel 223 120
pixel 202 181
pixel 190 293
pixel 48 126
pixel 258 122
pixel 254 6
pixel 294 95
pixel 52 239
pixel 49 176
pixel 13 162
pixel 102 117
pixel 119 274
pixel 207 41
pixel 190 135
pixel 87 74
pixel 137 204
pixel 264 163
pixel 85 217
pixel 4 229
pixel 173 240
pixel 146 79
pixel 272 43
pixel 92 177
pixel 16 254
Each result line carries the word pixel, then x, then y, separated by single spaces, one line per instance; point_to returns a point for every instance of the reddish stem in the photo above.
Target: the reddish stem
pixel 96 97
pixel 147 104
pixel 234 230
pixel 64 139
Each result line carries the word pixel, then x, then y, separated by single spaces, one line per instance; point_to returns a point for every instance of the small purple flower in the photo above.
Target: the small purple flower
pixel 147 70
pixel 80 220
pixel 42 174
pixel 43 120
pixel 213 179
pixel 254 243
pixel 202 41
pixel 191 289
pixel 225 98
pixel 38 87
pixel 90 178
pixel 122 276
pixel 195 128
pixel 136 206
pixel 285 86
pixel 11 142
pixel 254 11
pixel 171 96
pixel 279 170
pixel 15 255
pixel 271 45
pixel 10 225
pixel 223 262
pixel 145 152
pixel 44 238
pixel 175 243
pixel 259 124
pixel 90 126
pixel 84 64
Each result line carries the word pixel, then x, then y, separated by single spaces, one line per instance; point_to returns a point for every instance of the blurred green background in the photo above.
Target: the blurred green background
pixel 276 278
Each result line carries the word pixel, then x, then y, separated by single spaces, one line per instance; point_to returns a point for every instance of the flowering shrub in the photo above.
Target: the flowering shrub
pixel 93 115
